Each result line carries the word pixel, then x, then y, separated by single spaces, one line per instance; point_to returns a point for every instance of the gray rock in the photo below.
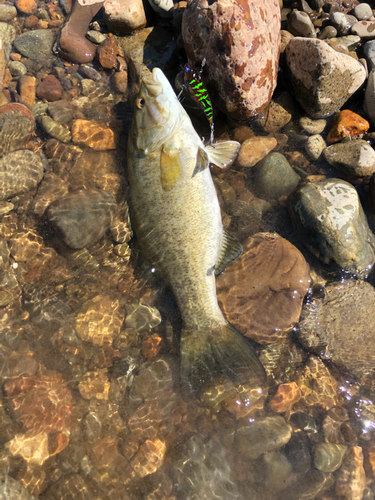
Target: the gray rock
pixel 274 177
pixel 322 79
pixel 39 109
pixel 7 12
pixel 10 489
pixel 20 171
pixel 369 50
pixel 89 72
pixel 340 327
pixel 256 437
pixel 342 22
pixel 314 146
pixel 54 129
pixel 356 157
pixel 328 218
pixel 61 111
pixel 369 105
pixel 312 126
pixel 299 24
pixel 362 12
pixel 83 217
pixel 328 457
pixel 276 470
pixel 364 29
pixel 16 68
pixel 7 33
pixel 35 45
pixel 95 36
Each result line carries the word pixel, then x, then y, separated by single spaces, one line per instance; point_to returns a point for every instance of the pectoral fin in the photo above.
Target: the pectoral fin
pixel 202 161
pixel 222 154
pixel 170 168
pixel 231 249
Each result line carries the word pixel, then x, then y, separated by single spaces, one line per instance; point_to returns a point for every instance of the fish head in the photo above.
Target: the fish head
pixel 157 112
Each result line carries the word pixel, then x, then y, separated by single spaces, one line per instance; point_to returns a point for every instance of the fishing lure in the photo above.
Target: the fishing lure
pixel 194 84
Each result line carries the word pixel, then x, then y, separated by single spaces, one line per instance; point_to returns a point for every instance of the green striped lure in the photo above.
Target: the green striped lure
pixel 194 84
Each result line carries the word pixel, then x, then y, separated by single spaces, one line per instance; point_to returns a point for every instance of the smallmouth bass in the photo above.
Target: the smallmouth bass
pixel 175 213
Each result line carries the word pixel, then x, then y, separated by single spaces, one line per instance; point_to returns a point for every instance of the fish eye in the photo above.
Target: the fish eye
pixel 140 103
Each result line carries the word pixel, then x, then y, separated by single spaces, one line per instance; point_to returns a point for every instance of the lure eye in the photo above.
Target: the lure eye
pixel 140 103
pixel 187 68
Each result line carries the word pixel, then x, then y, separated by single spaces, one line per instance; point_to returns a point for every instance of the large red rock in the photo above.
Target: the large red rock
pixel 240 40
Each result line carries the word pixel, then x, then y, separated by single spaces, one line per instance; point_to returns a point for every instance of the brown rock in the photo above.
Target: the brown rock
pixel 240 41
pixel 254 150
pixel 151 346
pixel 106 54
pixel 27 90
pixel 120 80
pixel 149 457
pixel 262 292
pixel 50 89
pixel 285 397
pixel 93 135
pixel 26 6
pixel 277 114
pixel 351 480
pixel 347 124
pixel 31 22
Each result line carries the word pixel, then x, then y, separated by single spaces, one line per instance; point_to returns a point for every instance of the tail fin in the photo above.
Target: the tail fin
pixel 205 355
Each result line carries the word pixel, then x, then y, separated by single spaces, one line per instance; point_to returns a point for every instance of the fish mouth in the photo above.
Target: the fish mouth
pixel 154 88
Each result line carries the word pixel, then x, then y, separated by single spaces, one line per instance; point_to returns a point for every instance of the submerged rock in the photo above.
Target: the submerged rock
pixel 328 218
pixel 240 42
pixel 340 327
pixel 19 172
pixel 351 480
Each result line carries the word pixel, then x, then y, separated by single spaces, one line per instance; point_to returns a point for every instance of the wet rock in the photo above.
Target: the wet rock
pixel 332 423
pixel 42 403
pixel 328 218
pixel 27 86
pixel 10 489
pixel 17 68
pixel 322 79
pixel 50 189
pixel 149 457
pixel 163 7
pixel 7 12
pixel 314 146
pixel 94 385
pixel 369 50
pixel 328 457
pixel 7 33
pixel 364 29
pixel 123 16
pixel 274 177
pixel 309 487
pixel 54 129
pixel 25 245
pixel 277 114
pixel 298 452
pixel 351 480
pixel 100 320
pixel 26 6
pixel 299 23
pixel 222 34
pixel 253 438
pixel 271 273
pixel 327 33
pixel 61 111
pixel 31 447
pixel 95 37
pixel 347 124
pixel 106 54
pixel 285 397
pixel 20 171
pixel 303 422
pixel 154 382
pixel 16 126
pixel 89 72
pixel 141 316
pixel 49 89
pixel 354 158
pixel 276 470
pixel 71 486
pixel 342 22
pixel 369 105
pixel 339 327
pixel 120 80
pixel 82 217
pixel 254 149
pixel 35 45
pixel 73 44
pixel 312 126
pixel 151 346
pixel 93 135
pixel 362 11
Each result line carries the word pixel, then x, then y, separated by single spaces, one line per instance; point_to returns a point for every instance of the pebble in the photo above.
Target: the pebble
pixel 369 50
pixel 347 124
pixel 311 126
pixel 39 109
pixel 61 111
pixel 122 17
pixel 255 437
pixel 327 32
pixel 89 72
pixel 324 214
pixel 49 89
pixel 356 158
pixel 328 457
pixel 31 22
pixel 95 37
pixel 299 24
pixel 362 12
pixel 20 171
pixel 120 81
pixel 364 29
pixel 274 177
pixel 16 127
pixel 54 129
pixel 27 87
pixel 17 68
pixel 7 33
pixel 254 149
pixel 93 135
pixel 322 79
pixel 7 12
pixel 26 6
pixel 298 452
pixel 106 54
pixel 314 146
pixel 36 45
pixel 342 22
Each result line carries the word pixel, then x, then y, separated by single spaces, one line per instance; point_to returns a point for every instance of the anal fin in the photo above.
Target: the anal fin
pixel 231 249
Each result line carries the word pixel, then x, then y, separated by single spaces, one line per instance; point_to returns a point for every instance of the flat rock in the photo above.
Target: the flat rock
pixel 355 158
pixel 82 217
pixel 240 42
pixel 262 292
pixel 328 218
pixel 340 327
pixel 35 45
pixel 322 79
pixel 19 172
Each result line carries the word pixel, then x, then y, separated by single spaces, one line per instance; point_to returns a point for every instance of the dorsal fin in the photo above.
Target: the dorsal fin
pixel 222 154
pixel 231 249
